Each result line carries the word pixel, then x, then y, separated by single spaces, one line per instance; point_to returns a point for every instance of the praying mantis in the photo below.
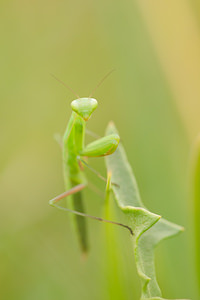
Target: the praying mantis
pixel 74 152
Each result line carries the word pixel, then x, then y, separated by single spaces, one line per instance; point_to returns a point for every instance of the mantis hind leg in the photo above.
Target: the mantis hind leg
pixel 78 210
pixel 76 191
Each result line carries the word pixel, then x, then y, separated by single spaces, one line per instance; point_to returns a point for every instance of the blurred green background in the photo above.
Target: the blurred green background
pixel 154 99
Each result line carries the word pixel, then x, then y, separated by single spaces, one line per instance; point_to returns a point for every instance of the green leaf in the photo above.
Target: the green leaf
pixel 148 228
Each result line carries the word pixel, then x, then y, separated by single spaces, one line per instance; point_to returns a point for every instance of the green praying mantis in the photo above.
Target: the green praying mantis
pixel 74 152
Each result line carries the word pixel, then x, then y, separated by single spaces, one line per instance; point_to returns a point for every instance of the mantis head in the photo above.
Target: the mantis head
pixel 84 107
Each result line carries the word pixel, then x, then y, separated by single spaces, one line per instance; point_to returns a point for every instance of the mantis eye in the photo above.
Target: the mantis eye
pixel 84 107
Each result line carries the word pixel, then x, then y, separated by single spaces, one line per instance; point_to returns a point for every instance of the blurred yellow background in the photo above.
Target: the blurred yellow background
pixel 154 99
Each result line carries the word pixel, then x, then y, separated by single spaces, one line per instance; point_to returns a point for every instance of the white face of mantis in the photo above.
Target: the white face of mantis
pixel 84 107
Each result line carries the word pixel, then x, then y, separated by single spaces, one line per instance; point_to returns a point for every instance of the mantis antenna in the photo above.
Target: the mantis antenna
pixel 69 88
pixel 100 82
